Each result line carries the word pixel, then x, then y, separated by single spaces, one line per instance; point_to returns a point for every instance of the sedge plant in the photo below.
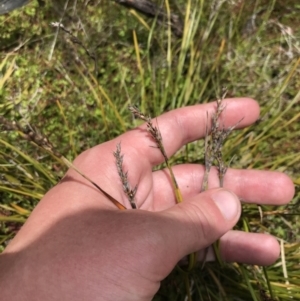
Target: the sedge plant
pixel 251 48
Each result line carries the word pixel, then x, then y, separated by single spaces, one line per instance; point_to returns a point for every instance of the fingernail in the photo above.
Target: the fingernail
pixel 227 202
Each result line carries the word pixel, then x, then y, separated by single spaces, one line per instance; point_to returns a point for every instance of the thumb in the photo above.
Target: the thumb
pixel 201 220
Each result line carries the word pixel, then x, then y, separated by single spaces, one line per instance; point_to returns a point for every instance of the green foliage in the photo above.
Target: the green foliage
pixel 79 100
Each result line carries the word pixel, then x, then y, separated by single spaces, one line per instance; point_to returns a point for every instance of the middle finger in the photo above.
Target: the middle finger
pixel 251 186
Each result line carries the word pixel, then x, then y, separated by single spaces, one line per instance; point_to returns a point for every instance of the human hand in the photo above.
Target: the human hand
pixel 77 245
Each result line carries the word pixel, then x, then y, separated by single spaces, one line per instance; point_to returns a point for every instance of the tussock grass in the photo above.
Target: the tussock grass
pixel 48 81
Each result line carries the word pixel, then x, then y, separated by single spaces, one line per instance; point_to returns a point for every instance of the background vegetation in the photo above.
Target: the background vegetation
pixel 76 92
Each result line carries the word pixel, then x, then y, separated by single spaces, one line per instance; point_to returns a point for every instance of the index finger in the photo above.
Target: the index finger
pixel 184 125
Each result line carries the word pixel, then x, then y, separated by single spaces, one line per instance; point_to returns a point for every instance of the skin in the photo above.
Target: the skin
pixel 77 245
